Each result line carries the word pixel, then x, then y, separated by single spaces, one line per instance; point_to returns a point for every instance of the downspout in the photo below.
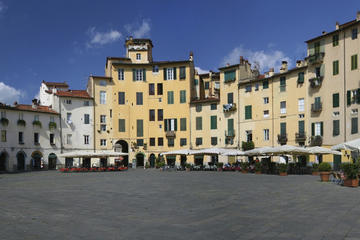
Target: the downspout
pixel 238 111
pixel 272 112
pixel 94 118
pixel 345 97
pixel 61 136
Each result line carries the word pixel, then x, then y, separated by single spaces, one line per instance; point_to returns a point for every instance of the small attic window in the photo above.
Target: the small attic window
pixel 138 56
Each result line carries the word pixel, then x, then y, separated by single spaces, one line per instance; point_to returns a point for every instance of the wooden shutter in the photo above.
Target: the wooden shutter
pixel 175 120
pixel 165 125
pixel 322 70
pixel 282 128
pixel 165 74
pixel 134 74
pixel 139 128
pixel 336 127
pixel 335 100
pixel 174 72
pixel 144 74
pixel 182 124
pixel 312 129
pixel 213 122
pixel 230 125
pixel 321 129
pixel 358 96
pixel 301 126
pixel 348 97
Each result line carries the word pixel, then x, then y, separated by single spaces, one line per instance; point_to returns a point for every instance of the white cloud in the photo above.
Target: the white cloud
pixel 3 7
pixel 201 71
pixel 269 58
pixel 102 38
pixel 9 94
pixel 139 31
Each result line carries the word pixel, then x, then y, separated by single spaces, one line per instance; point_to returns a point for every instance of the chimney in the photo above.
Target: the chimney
pixel 241 60
pixel 271 72
pixel 299 63
pixel 15 104
pixel 227 64
pixel 191 56
pixel 357 15
pixel 324 32
pixel 284 67
pixel 337 26
pixel 34 103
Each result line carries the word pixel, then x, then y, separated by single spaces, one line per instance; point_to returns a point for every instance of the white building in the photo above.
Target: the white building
pixel 30 137
pixel 46 90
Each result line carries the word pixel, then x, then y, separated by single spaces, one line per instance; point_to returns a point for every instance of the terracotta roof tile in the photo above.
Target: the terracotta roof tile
pixel 26 107
pixel 57 84
pixel 73 93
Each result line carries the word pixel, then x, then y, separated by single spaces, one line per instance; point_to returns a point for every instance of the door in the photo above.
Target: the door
pixel 20 161
pixel 336 162
pixel 139 160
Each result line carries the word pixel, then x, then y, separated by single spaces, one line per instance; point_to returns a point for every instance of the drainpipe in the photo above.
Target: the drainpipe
pixel 272 112
pixel 345 97
pixel 238 110
pixel 61 136
pixel 94 118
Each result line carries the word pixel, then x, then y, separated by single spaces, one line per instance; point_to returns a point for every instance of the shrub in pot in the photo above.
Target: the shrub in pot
pixel 315 169
pixel 258 167
pixel 244 167
pixel 220 166
pixel 188 167
pixel 282 167
pixel 324 169
pixel 351 171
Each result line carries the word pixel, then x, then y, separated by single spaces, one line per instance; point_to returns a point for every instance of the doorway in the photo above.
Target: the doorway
pixel 139 160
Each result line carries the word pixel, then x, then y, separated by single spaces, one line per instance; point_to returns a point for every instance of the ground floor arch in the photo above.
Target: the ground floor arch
pixel 20 159
pixel 36 158
pixel 170 160
pixel 52 159
pixel 199 160
pixel 140 157
pixel 152 160
pixel 4 158
pixel 183 160
pixel 122 146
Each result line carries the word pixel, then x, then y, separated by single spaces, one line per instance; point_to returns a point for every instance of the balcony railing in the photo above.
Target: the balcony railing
pixel 316 81
pixel 230 133
pixel 282 138
pixel 300 137
pixel 229 107
pixel 315 58
pixel 316 140
pixel 316 107
pixel 170 134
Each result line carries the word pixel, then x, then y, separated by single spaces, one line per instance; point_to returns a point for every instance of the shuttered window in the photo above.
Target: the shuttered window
pixel 230 76
pixel 348 97
pixel 336 127
pixel 301 126
pixel 139 75
pixel 230 98
pixel 283 128
pixel 335 67
pixel 354 125
pixel 170 73
pixel 139 98
pixel 139 128
pixel 265 84
pixel 354 62
pixel 300 78
pixel 213 122
pixel 121 125
pixel 183 96
pixel 198 123
pixel 152 115
pixel 182 72
pixel 160 114
pixel 317 129
pixel 335 40
pixel 282 84
pixel 336 100
pixel 121 98
pixel 182 124
pixel 170 97
pixel 213 141
pixel 248 112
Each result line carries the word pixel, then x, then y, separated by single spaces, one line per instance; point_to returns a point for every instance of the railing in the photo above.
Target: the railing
pixel 315 58
pixel 230 133
pixel 229 107
pixel 282 138
pixel 316 107
pixel 316 140
pixel 300 137
pixel 316 81
pixel 170 134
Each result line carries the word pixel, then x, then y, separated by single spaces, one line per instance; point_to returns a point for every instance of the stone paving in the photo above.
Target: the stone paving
pixel 149 204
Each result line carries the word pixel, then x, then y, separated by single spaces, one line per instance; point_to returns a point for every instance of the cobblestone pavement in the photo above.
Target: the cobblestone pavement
pixel 149 204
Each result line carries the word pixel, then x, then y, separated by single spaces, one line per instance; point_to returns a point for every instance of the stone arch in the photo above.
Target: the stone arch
pixel 20 158
pixel 36 158
pixel 122 146
pixel 52 160
pixel 140 159
pixel 152 160
pixel 4 158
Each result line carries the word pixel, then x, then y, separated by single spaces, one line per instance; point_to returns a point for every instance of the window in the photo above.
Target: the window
pixel 335 40
pixel 21 138
pixel 354 125
pixel 52 119
pixel 282 84
pixel 336 100
pixel 139 75
pixel 336 127
pixel 170 73
pixel 230 127
pixel 21 116
pixel 256 87
pixel 182 72
pixel 121 97
pixel 152 115
pixel 36 117
pixel 110 113
pixel 160 115
pixel 159 89
pixel 213 106
pixel 266 113
pixel 102 118
pixel 68 101
pixel 266 100
pixel 102 83
pixel 171 142
pixel 103 123
pixel 317 47
pixel 36 138
pixel 151 89
pixel 230 98
pixel 248 112
pixel 317 129
pixel 207 85
pixel 152 142
pixel 52 139
pixel 283 107
pixel 3 135
pixel 86 119
pixel 336 67
pixel 139 98
pixel 139 128
pixel 86 103
pixel 140 142
pixel 121 125
pixel 301 126
pixel 198 141
pixel 160 141
pixel 182 124
pixel 138 56
pixel 248 88
pixel 354 62
pixel 121 74
pixel 265 84
pixel 68 118
pixel 103 127
pixel 182 141
pixel 196 82
pixel 213 141
pixel 170 124
pixel 266 135
pixel 300 78
pixel 198 108
pixel 103 142
pixel 301 104
pixel 170 97
pixel 198 123
pixel 155 69
pixel 354 33
pixel 213 122
pixel 230 76
pixel 283 128
pixel 102 97
pixel 182 96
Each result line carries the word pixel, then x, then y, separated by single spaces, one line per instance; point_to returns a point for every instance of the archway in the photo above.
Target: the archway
pixel 122 146
pixel 3 161
pixel 36 160
pixel 199 160
pixel 152 159
pixel 52 158
pixel 183 160
pixel 171 160
pixel 86 162
pixel 139 160
pixel 20 156
pixel 69 162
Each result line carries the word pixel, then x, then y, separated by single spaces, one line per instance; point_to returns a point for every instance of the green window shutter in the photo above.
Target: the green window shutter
pixel 312 129
pixel 170 97
pixel 198 123
pixel 348 97
pixel 334 67
pixel 322 70
pixel 336 127
pixel 121 125
pixel 182 72
pixel 300 77
pixel 282 128
pixel 321 129
pixel 353 62
pixel 174 72
pixel 230 125
pixel 358 96
pixel 175 124
pixel 165 125
pixel 144 73
pixel 354 125
pixel 301 126
pixel 230 98
pixel 248 112
pixel 311 49
pixel 336 100
pixel 134 74
pixel 182 124
pixel 182 96
pixel 139 128
pixel 165 74
pixel 265 84
pixel 213 122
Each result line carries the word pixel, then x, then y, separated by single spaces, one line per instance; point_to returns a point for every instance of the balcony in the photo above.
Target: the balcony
pixel 300 137
pixel 315 58
pixel 230 133
pixel 229 107
pixel 170 134
pixel 316 140
pixel 316 107
pixel 282 139
pixel 316 81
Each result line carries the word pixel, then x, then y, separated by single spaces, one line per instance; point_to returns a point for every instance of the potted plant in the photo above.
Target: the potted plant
pixel 21 122
pixel 220 166
pixel 52 125
pixel 147 165
pixel 188 167
pixel 4 121
pixel 351 171
pixel 315 169
pixel 37 123
pixel 282 167
pixel 324 169
pixel 257 167
pixel 244 167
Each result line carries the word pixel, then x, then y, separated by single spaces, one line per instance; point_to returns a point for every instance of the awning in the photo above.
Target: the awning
pixel 353 145
pixel 92 154
pixel 178 152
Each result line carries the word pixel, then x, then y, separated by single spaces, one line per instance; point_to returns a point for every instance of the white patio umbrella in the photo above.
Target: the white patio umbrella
pixel 178 152
pixel 100 154
pixel 258 151
pixel 210 151
pixel 353 145
pixel 288 149
pixel 322 150
pixel 233 152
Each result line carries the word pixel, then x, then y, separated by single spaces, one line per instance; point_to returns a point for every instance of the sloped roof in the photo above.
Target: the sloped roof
pixel 73 93
pixel 56 84
pixel 26 107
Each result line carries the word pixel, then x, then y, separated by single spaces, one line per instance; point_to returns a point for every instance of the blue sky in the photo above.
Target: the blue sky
pixel 69 40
